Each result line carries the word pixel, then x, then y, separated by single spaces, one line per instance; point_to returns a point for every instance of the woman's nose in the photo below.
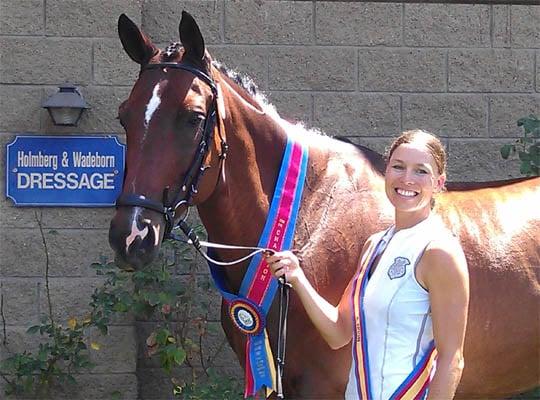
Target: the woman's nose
pixel 408 177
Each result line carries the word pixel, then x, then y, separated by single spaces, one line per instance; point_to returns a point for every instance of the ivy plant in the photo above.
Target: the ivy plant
pixel 170 292
pixel 527 148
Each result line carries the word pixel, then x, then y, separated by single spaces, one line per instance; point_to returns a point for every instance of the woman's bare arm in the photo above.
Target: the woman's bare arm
pixel 333 322
pixel 443 271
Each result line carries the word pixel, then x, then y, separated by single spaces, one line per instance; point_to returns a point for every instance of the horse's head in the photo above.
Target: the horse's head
pixel 169 119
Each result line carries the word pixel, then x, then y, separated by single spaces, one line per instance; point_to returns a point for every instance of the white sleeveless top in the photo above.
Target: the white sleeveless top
pixel 397 311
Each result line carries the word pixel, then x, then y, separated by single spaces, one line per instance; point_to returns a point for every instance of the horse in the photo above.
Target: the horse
pixel 182 98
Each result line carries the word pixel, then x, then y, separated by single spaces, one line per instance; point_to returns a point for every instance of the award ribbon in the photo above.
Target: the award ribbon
pixel 248 309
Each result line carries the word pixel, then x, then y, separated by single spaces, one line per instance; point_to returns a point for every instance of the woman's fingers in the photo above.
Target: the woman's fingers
pixel 280 272
pixel 280 263
pixel 284 264
pixel 283 255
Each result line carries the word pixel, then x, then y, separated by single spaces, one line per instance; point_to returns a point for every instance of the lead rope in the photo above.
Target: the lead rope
pixel 194 240
pixel 284 287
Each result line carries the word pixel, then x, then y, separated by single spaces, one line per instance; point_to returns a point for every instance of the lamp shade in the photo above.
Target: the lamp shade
pixel 66 106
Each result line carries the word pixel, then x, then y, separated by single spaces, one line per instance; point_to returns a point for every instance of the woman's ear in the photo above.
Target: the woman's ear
pixel 439 183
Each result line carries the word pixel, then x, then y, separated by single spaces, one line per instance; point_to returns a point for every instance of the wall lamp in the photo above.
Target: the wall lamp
pixel 66 106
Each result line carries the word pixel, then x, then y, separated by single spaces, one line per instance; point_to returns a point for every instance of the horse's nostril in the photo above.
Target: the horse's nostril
pixel 133 240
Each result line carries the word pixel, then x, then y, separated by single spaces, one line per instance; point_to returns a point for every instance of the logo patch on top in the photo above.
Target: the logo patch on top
pixel 398 268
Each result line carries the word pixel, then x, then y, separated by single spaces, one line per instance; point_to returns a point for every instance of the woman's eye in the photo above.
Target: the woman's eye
pixel 399 167
pixel 421 171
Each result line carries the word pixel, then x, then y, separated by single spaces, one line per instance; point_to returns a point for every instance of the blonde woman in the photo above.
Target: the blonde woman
pixel 406 308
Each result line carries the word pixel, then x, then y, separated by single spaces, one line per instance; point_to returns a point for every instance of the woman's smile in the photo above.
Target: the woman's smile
pixel 406 193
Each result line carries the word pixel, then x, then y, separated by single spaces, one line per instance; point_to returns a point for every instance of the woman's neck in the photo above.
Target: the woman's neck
pixel 405 220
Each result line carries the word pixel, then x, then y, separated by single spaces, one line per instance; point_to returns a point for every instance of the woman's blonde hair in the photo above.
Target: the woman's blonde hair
pixel 432 143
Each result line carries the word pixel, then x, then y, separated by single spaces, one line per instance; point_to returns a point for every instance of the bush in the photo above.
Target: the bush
pixel 169 292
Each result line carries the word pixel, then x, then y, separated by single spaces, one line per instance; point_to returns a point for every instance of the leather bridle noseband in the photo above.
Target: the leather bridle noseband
pixel 189 186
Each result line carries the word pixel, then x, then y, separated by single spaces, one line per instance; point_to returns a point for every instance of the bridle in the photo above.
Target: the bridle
pixel 191 180
pixel 190 187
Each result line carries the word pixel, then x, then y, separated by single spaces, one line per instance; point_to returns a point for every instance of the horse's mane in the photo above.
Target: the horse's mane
pixel 377 160
pixel 242 80
pixel 463 186
pixel 245 82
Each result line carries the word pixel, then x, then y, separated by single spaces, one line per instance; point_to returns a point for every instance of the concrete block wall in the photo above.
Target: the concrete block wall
pixel 362 70
pixel 43 44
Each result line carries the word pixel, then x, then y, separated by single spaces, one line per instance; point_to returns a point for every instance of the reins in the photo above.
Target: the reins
pixel 194 240
pixel 190 187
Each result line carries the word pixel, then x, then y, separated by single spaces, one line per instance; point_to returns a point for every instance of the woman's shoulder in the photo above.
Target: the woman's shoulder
pixel 444 254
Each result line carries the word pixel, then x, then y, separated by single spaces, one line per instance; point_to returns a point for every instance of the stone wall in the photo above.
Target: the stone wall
pixel 363 70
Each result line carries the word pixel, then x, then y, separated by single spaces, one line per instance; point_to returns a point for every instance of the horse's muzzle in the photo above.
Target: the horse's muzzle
pixel 133 240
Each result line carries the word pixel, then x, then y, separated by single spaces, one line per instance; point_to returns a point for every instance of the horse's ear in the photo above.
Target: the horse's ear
pixel 135 43
pixel 191 38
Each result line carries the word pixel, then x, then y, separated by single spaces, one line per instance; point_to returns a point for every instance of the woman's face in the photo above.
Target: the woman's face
pixel 412 178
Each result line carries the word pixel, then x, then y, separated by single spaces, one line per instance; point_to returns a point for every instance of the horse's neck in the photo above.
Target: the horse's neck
pixel 236 211
pixel 341 185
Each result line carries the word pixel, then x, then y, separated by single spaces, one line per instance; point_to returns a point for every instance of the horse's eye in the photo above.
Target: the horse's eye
pixel 196 120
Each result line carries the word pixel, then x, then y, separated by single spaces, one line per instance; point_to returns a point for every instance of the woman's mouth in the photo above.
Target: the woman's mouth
pixel 406 193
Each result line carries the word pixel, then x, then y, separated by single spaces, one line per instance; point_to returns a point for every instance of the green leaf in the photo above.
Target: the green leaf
pixel 534 153
pixel 165 298
pixel 506 150
pixel 103 328
pixel 179 355
pixel 162 335
pixel 121 307
pixel 524 156
pixel 525 168
pixel 530 124
pixel 33 329
pixel 116 395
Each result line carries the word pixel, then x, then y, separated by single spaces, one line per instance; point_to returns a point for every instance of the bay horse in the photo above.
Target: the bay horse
pixel 169 113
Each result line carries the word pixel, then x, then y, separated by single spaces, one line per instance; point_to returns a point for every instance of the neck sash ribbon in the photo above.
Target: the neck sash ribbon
pixel 248 308
pixel 415 386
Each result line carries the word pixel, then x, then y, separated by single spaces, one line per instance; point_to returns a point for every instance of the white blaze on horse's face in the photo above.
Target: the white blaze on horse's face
pixel 152 105
pixel 135 232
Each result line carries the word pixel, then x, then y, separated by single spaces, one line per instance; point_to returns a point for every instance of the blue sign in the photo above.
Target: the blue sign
pixel 64 170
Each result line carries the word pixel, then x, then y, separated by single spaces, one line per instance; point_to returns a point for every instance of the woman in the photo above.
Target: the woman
pixel 407 304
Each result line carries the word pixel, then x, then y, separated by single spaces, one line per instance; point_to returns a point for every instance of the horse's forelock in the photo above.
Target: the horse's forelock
pixel 172 52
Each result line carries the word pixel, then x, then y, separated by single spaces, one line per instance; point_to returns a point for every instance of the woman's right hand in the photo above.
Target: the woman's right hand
pixel 285 263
